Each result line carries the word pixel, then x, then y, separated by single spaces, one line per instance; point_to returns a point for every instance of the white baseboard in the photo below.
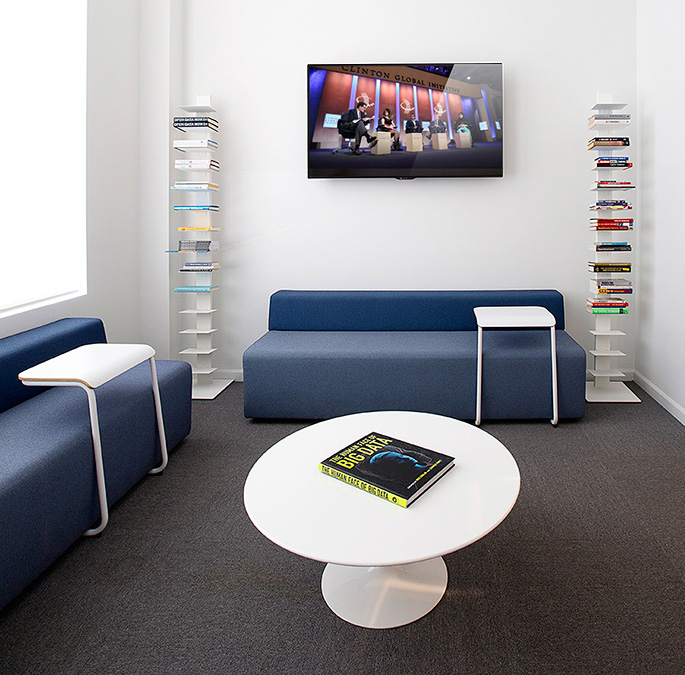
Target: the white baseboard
pixel 236 375
pixel 663 399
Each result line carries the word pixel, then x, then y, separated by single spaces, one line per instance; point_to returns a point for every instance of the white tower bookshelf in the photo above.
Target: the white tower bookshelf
pixel 194 205
pixel 609 263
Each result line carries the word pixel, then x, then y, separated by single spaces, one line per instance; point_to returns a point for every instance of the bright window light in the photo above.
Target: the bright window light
pixel 43 131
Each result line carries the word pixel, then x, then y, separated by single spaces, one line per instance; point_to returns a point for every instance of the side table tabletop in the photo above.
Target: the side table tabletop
pixel 516 317
pixel 89 367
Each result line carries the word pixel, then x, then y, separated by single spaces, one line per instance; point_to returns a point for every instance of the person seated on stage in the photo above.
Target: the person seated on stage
pixel 388 124
pixel 461 122
pixel 357 123
pixel 413 126
pixel 437 126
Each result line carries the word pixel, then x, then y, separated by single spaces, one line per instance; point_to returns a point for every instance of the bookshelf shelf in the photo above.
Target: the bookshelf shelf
pixel 196 226
pixel 610 291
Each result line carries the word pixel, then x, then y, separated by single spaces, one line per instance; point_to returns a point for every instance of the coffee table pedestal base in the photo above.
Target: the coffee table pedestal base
pixel 384 597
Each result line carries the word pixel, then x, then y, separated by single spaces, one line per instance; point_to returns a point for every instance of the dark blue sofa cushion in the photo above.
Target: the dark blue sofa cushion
pixel 322 374
pixel 24 350
pixel 397 310
pixel 48 494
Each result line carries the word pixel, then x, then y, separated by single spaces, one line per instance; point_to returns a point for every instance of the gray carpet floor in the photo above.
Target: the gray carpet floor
pixel 585 576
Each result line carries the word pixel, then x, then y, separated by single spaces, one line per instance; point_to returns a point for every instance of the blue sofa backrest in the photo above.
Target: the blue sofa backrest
pixel 23 350
pixel 397 310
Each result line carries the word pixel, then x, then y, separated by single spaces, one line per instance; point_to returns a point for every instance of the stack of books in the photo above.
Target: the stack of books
pixel 606 306
pixel 197 164
pixel 608 267
pixel 196 207
pixel 608 119
pixel 612 246
pixel 611 286
pixel 614 185
pixel 196 144
pixel 611 223
pixel 611 204
pixel 613 162
pixel 194 185
pixel 607 141
pixel 200 267
pixel 196 123
pixel 203 246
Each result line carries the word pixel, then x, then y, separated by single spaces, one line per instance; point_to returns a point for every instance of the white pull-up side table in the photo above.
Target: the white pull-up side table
pixel 89 367
pixel 515 317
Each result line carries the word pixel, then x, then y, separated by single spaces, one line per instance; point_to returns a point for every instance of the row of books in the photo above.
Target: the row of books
pixel 608 118
pixel 607 141
pixel 194 185
pixel 197 165
pixel 203 246
pixel 196 123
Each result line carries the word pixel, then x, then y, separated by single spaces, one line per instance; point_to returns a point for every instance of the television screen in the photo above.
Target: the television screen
pixel 405 120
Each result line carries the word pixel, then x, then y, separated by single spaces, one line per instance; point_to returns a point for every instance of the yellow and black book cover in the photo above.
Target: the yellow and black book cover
pixel 387 467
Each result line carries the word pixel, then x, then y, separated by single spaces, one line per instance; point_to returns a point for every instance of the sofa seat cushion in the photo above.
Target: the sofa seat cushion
pixel 321 374
pixel 48 493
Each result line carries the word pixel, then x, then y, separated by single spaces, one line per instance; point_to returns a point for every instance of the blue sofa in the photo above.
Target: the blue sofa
pixel 48 491
pixel 330 353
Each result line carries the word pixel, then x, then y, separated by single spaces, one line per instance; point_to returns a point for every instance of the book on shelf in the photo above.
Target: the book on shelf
pixel 203 228
pixel 197 207
pixel 387 467
pixel 613 118
pixel 607 310
pixel 204 246
pixel 196 122
pixel 607 141
pixel 200 267
pixel 195 289
pixel 612 221
pixel 612 246
pixel 197 164
pixel 609 266
pixel 611 205
pixel 613 162
pixel 606 302
pixel 598 289
pixel 615 184
pixel 194 185
pixel 196 144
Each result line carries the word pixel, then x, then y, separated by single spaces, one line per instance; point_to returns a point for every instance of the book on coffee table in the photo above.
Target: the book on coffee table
pixel 387 467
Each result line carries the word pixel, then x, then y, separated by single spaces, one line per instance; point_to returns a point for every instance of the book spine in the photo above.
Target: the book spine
pixel 363 485
pixel 607 310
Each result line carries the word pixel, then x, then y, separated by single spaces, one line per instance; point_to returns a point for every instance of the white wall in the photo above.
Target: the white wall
pixel 112 161
pixel 660 365
pixel 282 230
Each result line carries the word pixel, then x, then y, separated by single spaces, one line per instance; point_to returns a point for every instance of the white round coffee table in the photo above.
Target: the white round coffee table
pixel 385 565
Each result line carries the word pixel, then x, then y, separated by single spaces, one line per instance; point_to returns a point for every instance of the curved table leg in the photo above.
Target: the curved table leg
pixel 384 597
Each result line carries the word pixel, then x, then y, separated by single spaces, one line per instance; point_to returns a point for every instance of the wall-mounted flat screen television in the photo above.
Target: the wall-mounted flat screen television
pixel 405 120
